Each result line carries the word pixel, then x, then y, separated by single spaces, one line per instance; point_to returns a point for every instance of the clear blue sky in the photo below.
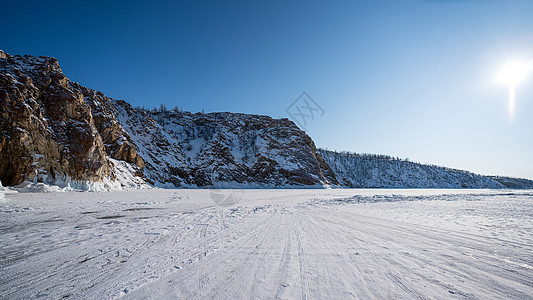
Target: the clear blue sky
pixel 406 78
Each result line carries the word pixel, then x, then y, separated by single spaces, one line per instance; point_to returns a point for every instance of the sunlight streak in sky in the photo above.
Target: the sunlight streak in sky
pixel 513 73
pixel 512 95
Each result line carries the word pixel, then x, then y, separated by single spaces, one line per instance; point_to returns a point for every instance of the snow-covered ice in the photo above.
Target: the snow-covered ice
pixel 316 244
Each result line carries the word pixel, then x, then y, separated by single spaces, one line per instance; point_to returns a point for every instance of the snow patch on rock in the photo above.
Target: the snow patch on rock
pixel 126 177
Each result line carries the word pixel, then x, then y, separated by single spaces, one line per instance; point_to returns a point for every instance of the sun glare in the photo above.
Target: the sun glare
pixel 514 73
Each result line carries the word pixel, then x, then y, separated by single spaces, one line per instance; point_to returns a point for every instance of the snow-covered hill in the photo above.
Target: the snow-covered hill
pixel 182 149
pixel 514 183
pixel 380 171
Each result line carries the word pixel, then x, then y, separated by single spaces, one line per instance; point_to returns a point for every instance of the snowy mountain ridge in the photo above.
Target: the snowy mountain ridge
pixel 55 132
pixel 380 171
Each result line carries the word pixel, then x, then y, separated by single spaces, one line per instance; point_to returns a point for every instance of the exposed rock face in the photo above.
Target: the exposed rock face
pixel 117 141
pixel 46 126
pixel 52 129
pixel 4 55
pixel 47 129
pixel 225 149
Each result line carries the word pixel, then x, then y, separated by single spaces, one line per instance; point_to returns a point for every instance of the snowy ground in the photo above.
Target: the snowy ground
pixel 315 244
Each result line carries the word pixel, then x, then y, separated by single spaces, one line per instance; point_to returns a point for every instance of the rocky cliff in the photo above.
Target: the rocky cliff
pixel 223 149
pixel 56 131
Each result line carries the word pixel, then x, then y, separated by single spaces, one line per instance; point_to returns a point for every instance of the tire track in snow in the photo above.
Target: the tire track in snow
pixel 279 249
pixel 382 235
pixel 230 240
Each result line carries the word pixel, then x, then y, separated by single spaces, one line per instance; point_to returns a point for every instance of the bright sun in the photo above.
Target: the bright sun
pixel 514 73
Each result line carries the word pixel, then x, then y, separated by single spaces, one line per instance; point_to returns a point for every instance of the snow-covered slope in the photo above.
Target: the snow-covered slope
pixel 378 171
pixel 514 183
pixel 181 149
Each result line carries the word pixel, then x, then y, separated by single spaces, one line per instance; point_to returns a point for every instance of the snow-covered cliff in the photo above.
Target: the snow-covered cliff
pixel 182 149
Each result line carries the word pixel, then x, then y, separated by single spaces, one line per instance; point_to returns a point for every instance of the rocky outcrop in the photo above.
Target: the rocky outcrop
pixel 47 128
pixel 55 130
pixel 182 149
pixel 117 141
pixel 4 55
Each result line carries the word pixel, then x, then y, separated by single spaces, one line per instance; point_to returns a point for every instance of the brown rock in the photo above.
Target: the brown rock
pixel 46 128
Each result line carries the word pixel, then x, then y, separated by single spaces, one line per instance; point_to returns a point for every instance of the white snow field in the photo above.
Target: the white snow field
pixel 287 244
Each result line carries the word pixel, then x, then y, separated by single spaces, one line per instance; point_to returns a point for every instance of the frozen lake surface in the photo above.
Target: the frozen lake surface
pixel 287 244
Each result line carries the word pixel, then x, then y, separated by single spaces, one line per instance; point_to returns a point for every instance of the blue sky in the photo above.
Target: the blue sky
pixel 405 78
